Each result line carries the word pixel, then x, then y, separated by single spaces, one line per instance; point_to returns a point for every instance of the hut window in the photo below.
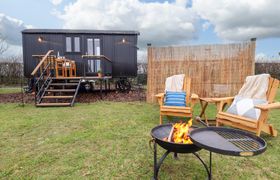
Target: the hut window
pixel 90 52
pixel 97 52
pixel 68 44
pixel 90 46
pixel 77 44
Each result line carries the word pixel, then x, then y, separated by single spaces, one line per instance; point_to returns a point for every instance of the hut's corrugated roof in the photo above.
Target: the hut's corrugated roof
pixel 79 31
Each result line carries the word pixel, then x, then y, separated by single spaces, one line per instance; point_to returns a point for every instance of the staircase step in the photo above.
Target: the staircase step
pixel 58 97
pixel 66 78
pixel 74 81
pixel 60 90
pixel 53 104
pixel 63 84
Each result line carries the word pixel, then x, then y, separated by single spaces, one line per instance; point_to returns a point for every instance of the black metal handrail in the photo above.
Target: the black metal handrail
pixel 43 87
pixel 43 79
pixel 95 58
pixel 42 74
pixel 41 63
pixel 76 92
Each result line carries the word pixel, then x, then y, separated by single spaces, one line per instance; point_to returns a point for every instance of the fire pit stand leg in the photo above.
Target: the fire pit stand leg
pixel 176 156
pixel 210 165
pixel 208 170
pixel 155 161
pixel 157 165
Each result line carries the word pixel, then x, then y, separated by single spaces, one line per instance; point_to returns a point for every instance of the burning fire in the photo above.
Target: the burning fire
pixel 180 133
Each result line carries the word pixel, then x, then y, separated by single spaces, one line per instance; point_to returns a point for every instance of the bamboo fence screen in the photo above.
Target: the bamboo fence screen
pixel 216 70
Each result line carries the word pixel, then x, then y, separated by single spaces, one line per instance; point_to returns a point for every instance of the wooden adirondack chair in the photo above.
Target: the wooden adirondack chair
pixel 256 126
pixel 178 111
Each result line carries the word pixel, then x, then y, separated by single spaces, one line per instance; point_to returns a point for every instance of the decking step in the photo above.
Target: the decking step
pixel 67 78
pixel 57 97
pixel 53 104
pixel 63 84
pixel 60 90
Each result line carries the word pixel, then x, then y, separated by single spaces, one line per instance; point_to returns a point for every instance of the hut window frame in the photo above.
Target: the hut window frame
pixel 73 44
pixel 68 44
pixel 77 44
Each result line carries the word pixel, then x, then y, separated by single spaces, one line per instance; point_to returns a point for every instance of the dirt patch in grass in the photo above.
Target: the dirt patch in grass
pixel 16 98
pixel 111 96
pixel 83 97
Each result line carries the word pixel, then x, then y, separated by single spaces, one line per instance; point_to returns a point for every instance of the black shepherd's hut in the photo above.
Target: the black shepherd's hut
pixel 120 47
pixel 60 61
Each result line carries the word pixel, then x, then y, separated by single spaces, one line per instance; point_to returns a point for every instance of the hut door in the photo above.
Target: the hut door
pixel 93 48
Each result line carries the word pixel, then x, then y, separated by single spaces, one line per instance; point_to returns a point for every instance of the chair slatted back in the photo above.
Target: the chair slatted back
pixel 187 88
pixel 272 89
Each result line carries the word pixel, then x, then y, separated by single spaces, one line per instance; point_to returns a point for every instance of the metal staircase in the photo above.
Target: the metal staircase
pixel 52 92
pixel 59 93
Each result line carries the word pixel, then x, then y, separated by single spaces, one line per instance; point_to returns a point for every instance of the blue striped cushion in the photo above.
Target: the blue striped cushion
pixel 175 99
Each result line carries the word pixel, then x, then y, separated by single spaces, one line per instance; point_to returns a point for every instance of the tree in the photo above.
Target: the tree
pixel 3 44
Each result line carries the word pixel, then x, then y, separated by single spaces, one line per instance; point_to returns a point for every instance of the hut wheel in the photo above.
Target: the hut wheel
pixel 123 85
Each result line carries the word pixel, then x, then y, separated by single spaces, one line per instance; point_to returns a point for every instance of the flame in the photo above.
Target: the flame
pixel 181 133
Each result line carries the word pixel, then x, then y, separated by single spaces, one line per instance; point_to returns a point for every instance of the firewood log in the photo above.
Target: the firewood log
pixel 170 134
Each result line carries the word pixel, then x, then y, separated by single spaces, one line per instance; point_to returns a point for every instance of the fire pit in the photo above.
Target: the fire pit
pixel 162 135
pixel 220 140
pixel 161 132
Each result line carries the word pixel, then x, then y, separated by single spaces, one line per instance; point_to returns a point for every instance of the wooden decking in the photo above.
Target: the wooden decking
pixel 57 97
pixel 53 104
pixel 62 89
pixel 85 77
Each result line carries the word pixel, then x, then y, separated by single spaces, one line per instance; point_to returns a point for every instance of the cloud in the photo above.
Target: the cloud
pixel 13 50
pixel 56 2
pixel 142 55
pixel 10 29
pixel 159 23
pixel 241 19
pixel 206 25
pixel 262 57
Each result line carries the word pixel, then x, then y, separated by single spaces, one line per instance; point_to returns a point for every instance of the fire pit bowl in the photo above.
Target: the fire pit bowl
pixel 162 131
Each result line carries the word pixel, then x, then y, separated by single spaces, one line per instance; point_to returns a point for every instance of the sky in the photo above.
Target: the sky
pixel 160 22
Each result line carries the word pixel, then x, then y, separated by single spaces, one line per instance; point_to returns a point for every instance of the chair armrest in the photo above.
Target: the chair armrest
pixel 194 96
pixel 228 99
pixel 223 102
pixel 266 107
pixel 194 99
pixel 160 98
pixel 159 95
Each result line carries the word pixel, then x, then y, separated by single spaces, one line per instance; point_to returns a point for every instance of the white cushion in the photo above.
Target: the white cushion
pixel 245 107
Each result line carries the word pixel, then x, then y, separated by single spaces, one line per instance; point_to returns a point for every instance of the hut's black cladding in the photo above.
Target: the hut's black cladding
pixel 110 43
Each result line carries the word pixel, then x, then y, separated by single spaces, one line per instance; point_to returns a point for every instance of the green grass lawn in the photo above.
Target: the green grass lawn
pixel 109 140
pixel 8 90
